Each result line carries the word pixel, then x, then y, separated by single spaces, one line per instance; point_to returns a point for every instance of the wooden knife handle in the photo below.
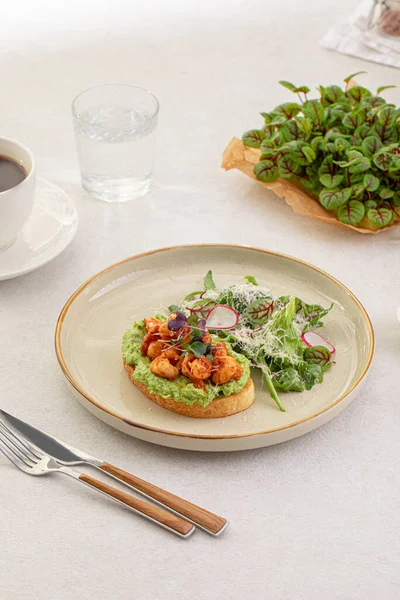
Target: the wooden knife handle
pixel 163 517
pixel 206 520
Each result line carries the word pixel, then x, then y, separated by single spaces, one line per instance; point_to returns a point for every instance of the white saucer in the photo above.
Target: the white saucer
pixel 50 229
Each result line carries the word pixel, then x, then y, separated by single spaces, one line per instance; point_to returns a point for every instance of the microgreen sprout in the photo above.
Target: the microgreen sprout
pixel 342 148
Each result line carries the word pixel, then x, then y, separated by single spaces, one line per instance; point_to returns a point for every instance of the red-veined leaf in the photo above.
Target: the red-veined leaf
pixel 288 110
pixel 385 193
pixel 259 311
pixel 288 167
pixel 291 131
pixel 358 93
pixel 266 171
pixel 351 213
pixel 382 161
pixel 384 87
pixel 333 93
pixel 353 120
pixel 371 183
pixel 350 77
pixel 331 199
pixel 380 217
pixel 328 173
pixel 387 133
pixel 318 355
pixel 289 86
pixel 371 144
pixel 253 138
pixel 202 307
pixel 314 110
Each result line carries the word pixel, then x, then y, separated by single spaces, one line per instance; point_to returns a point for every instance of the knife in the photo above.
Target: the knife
pixel 68 455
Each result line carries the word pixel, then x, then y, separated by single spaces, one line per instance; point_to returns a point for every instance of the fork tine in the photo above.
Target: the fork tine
pixel 11 454
pixel 21 441
pixel 16 449
pixel 8 454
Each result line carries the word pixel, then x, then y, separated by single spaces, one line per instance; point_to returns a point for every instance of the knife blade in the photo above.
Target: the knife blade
pixel 61 451
pixel 68 455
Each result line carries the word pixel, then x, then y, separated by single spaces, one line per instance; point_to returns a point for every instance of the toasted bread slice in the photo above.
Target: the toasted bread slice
pixel 220 407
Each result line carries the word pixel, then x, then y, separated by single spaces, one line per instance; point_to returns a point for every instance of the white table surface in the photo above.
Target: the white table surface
pixel 316 518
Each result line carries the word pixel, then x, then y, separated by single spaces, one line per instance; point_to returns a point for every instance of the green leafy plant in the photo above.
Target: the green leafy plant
pixel 342 148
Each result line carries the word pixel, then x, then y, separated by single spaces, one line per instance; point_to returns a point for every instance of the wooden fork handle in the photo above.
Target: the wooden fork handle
pixel 199 516
pixel 162 517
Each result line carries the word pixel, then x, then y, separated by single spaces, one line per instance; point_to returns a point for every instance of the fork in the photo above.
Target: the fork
pixel 32 461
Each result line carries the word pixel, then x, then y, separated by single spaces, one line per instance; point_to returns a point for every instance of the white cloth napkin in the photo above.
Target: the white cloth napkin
pixel 352 37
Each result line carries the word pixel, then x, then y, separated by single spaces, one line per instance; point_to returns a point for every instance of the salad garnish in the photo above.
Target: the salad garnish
pixel 273 333
pixel 312 339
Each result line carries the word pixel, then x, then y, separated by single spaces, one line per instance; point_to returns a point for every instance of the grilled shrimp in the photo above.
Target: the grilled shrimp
pixel 163 368
pixel 219 349
pixel 172 355
pixel 201 368
pixel 147 340
pixel 152 325
pixel 196 369
pixel 227 369
pixel 155 349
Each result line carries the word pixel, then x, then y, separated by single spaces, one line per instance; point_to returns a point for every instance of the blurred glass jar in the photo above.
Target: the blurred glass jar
pixel 384 17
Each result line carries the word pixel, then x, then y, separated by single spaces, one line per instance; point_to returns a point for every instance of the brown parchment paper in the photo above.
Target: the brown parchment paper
pixel 238 156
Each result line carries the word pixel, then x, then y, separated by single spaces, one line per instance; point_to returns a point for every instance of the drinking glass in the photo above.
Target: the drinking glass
pixel 115 128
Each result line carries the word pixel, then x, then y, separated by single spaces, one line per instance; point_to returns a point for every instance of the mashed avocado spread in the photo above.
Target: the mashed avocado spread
pixel 179 389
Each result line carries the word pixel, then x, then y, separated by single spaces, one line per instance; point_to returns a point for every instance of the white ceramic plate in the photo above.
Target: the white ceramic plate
pixel 50 229
pixel 90 328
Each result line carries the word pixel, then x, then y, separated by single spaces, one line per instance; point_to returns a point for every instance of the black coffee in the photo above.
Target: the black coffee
pixel 11 173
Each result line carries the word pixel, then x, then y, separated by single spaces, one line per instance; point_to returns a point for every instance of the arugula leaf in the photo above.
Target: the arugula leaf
pixel 209 282
pixel 282 325
pixel 173 308
pixel 251 279
pixel 288 380
pixel 193 295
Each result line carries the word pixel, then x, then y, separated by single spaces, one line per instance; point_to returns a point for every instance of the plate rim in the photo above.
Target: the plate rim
pixel 157 430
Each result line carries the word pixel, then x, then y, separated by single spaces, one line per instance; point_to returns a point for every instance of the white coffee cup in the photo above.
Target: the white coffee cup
pixel 16 204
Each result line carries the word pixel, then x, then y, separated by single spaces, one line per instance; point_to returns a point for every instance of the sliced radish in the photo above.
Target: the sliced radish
pixel 222 317
pixel 310 338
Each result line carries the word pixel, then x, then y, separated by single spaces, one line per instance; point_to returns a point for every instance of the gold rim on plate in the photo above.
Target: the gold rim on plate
pixel 82 392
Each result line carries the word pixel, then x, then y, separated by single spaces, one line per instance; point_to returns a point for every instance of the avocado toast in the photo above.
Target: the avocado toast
pixel 186 370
